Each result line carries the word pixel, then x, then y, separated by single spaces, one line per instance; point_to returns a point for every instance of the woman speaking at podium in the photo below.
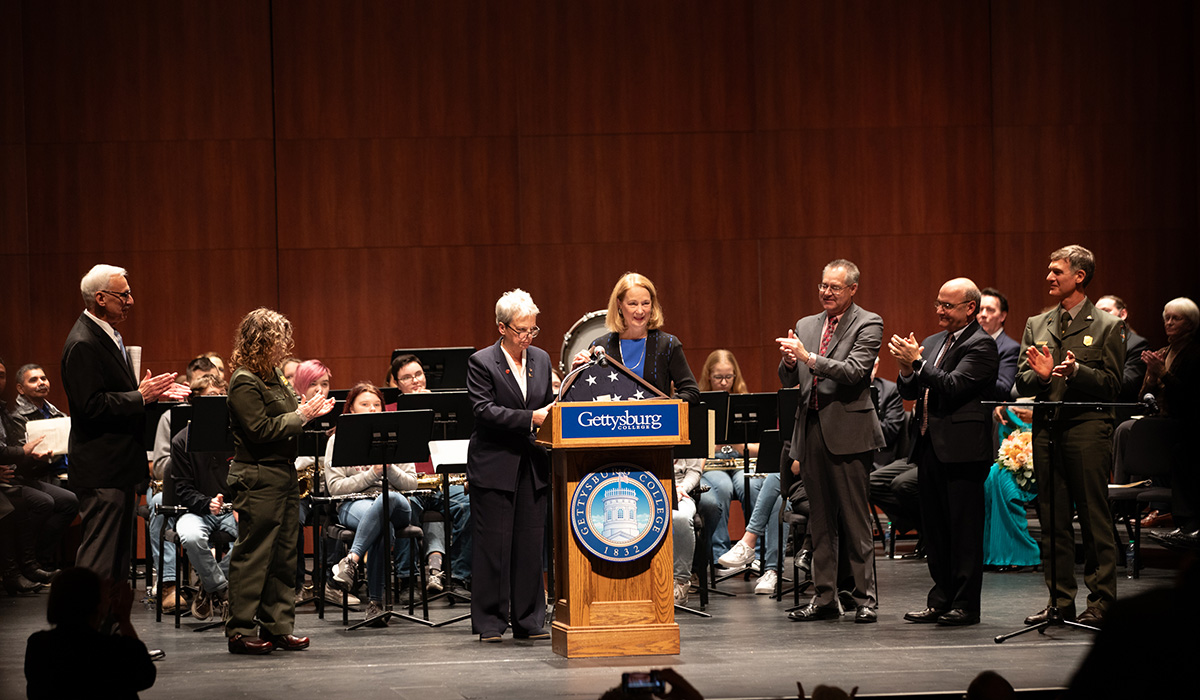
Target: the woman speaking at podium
pixel 634 319
pixel 509 475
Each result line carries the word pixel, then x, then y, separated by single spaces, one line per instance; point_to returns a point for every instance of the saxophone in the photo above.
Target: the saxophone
pixel 304 479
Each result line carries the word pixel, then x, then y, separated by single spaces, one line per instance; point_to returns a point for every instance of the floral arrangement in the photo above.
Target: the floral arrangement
pixel 1016 455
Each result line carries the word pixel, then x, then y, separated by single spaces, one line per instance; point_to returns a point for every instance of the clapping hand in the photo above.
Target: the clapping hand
pixel 152 388
pixel 316 406
pixel 1040 361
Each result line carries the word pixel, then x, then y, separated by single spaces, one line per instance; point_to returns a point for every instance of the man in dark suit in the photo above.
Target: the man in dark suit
pixel 993 310
pixel 1134 372
pixel 890 409
pixel 948 374
pixel 1074 353
pixel 830 356
pixel 108 413
pixel 509 475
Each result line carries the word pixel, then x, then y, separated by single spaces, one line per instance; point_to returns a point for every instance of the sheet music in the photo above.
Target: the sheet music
pixel 448 452
pixel 56 430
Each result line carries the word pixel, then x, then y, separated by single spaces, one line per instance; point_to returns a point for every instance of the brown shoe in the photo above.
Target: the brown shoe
pixel 170 598
pixel 1039 617
pixel 1091 616
pixel 287 642
pixel 241 644
pixel 1157 518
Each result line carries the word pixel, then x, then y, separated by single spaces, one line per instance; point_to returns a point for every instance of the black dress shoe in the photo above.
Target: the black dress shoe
pixel 287 642
pixel 38 575
pixel 16 584
pixel 958 617
pixel 805 561
pixel 539 634
pixel 490 638
pixel 241 644
pixel 926 616
pixel 1042 616
pixel 865 615
pixel 812 612
pixel 157 654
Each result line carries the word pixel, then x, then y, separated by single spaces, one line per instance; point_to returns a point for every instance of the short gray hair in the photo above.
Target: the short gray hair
pixel 1184 307
pixel 850 268
pixel 514 304
pixel 96 280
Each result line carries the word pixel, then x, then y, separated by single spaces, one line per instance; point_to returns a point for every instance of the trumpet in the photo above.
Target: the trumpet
pixel 304 479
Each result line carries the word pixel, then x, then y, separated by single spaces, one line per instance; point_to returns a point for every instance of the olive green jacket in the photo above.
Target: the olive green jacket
pixel 262 415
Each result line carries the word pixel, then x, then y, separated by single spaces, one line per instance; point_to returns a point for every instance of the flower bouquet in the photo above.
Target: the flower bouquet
pixel 1016 455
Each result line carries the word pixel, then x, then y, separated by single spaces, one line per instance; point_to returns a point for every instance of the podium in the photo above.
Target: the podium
pixel 613 489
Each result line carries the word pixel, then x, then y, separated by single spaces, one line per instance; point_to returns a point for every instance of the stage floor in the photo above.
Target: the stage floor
pixel 747 649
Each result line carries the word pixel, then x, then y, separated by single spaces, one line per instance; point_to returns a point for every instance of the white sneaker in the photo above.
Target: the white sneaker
pixel 344 573
pixel 681 593
pixel 738 556
pixel 766 583
pixel 334 595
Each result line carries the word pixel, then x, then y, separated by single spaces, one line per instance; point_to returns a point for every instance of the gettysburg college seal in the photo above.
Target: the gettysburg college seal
pixel 620 515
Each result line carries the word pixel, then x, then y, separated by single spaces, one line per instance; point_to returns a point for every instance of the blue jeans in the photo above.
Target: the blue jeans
pixel 435 533
pixel 165 563
pixel 724 486
pixel 365 518
pixel 766 515
pixel 194 531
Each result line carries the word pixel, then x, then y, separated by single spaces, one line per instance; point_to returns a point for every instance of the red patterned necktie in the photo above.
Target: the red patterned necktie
pixel 925 398
pixel 830 325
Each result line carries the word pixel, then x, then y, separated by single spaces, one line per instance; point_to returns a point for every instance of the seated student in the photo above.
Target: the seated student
pixel 161 459
pixel 201 486
pixel 112 666
pixel 408 375
pixel 683 536
pixel 48 507
pixel 366 516
pixel 721 372
pixel 310 378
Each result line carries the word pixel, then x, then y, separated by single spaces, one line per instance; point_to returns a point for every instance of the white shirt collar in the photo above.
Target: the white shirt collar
pixel 996 335
pixel 105 326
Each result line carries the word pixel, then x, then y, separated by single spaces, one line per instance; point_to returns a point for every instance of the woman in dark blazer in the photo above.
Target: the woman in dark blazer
pixel 509 475
pixel 266 421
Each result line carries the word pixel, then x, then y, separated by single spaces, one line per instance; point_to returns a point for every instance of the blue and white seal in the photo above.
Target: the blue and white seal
pixel 620 515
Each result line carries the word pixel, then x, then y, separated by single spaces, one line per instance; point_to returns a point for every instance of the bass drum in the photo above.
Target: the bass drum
pixel 581 335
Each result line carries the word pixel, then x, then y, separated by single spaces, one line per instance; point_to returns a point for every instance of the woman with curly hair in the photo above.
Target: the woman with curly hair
pixel 266 420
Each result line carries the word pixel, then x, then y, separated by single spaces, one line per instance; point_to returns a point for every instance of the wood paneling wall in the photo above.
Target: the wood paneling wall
pixel 381 170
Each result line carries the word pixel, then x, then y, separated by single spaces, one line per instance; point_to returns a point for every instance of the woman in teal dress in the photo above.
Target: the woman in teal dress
pixel 1006 540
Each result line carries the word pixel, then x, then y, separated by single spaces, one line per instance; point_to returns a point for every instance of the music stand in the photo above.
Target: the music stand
pixel 453 419
pixel 749 416
pixel 1047 414
pixel 700 446
pixel 210 425
pixel 312 444
pixel 445 368
pixel 180 415
pixel 384 438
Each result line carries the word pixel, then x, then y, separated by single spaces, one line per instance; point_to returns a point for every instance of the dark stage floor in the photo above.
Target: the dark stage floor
pixel 747 649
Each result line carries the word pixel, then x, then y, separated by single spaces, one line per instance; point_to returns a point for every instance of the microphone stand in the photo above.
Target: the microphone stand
pixel 1049 412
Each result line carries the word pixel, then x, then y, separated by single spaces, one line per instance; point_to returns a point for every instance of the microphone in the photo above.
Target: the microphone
pixel 1150 403
pixel 598 355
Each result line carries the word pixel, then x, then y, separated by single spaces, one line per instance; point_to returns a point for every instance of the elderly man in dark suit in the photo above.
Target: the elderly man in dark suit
pixel 509 475
pixel 949 374
pixel 108 415
pixel 1074 353
pixel 830 356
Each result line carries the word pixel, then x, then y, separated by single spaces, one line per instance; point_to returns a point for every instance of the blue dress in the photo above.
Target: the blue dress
pixel 1006 540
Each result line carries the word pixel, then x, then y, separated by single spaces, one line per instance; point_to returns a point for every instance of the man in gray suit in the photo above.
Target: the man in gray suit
pixel 830 355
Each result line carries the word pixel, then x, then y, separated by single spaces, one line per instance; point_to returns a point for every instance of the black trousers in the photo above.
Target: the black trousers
pixel 50 511
pixel 107 520
pixel 952 526
pixel 506 562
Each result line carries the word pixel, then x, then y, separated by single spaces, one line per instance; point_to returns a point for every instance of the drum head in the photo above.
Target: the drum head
pixel 581 335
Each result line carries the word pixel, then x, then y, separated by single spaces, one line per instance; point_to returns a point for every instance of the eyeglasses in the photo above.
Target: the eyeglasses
pixel 125 295
pixel 723 377
pixel 946 305
pixel 406 378
pixel 834 288
pixel 523 332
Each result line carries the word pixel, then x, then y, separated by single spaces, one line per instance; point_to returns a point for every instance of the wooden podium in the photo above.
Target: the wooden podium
pixel 613 600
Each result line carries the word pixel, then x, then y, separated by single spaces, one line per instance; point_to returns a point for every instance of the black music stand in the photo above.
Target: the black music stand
pixel 312 444
pixel 1046 413
pixel 384 438
pixel 749 416
pixel 445 368
pixel 453 419
pixel 699 447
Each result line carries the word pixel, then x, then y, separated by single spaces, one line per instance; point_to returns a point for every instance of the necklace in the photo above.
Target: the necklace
pixel 638 364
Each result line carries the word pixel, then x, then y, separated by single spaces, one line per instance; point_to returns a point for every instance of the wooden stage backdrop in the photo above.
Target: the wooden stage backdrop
pixel 381 170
